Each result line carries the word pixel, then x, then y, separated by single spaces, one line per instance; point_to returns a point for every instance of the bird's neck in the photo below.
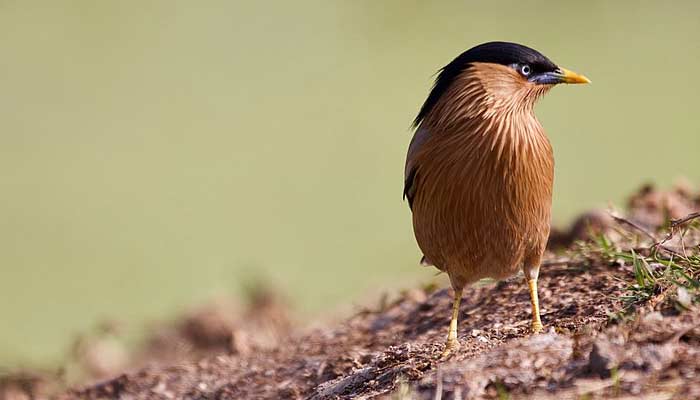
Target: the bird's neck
pixel 491 110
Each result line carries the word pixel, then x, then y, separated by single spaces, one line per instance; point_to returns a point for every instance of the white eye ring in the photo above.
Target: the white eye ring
pixel 525 70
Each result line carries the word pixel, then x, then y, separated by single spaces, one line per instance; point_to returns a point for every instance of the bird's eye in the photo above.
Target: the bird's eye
pixel 525 70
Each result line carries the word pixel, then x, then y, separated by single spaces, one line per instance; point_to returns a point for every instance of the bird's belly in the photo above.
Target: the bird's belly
pixel 476 229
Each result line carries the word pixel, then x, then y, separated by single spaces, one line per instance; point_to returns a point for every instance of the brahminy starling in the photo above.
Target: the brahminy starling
pixel 480 169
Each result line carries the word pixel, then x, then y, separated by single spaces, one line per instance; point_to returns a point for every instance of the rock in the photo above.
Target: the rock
pixel 604 357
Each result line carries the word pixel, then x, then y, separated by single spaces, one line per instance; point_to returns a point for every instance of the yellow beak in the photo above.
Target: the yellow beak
pixel 567 76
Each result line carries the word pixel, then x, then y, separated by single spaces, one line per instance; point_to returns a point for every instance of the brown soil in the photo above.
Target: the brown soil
pixel 393 351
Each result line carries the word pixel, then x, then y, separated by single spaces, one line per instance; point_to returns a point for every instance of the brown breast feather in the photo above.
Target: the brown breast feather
pixel 480 179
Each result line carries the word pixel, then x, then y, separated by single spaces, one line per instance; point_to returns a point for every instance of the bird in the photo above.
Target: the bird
pixel 479 171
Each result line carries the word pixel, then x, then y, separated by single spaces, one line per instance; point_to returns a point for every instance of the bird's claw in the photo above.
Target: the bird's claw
pixel 451 348
pixel 537 327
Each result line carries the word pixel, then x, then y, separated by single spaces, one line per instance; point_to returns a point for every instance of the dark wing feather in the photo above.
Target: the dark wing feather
pixel 410 172
pixel 409 188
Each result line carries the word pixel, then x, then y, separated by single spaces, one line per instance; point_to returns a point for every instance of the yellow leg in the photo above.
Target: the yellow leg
pixel 535 301
pixel 452 344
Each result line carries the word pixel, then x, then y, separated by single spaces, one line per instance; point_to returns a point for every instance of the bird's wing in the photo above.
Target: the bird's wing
pixel 419 139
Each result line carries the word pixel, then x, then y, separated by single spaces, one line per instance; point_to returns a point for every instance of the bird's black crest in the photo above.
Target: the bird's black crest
pixel 504 53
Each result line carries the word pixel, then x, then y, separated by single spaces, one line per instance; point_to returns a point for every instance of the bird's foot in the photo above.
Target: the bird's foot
pixel 451 348
pixel 537 327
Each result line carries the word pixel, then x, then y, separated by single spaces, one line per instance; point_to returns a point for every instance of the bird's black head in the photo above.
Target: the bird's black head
pixel 530 63
pixel 503 53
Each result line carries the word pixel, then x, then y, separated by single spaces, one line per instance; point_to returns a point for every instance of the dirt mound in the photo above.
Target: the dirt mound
pixel 652 357
pixel 619 310
pixel 372 351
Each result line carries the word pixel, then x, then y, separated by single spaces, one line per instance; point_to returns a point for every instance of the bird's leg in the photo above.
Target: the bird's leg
pixel 452 344
pixel 535 301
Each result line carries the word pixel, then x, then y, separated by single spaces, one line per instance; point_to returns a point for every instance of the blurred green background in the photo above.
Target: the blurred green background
pixel 155 154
